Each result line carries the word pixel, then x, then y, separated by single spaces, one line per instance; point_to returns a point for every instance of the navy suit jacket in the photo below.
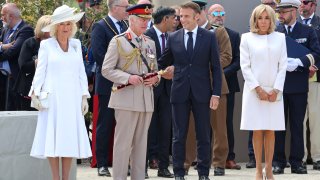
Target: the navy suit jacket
pixel 297 81
pixel 231 70
pixel 165 85
pixel 315 23
pixel 100 37
pixel 192 74
pixel 23 32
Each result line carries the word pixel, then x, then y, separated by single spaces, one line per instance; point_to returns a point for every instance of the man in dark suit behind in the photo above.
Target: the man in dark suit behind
pixel 311 122
pixel 295 93
pixel 102 33
pixel 160 128
pixel 192 51
pixel 14 33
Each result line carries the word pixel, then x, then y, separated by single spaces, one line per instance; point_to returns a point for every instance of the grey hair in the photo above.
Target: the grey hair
pixel 13 9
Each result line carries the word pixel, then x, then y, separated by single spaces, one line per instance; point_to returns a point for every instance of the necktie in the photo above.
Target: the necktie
pixel 190 44
pixel 306 20
pixel 289 30
pixel 6 39
pixel 121 26
pixel 163 42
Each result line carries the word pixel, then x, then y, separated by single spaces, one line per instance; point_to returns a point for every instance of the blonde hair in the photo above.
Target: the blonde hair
pixel 53 29
pixel 41 23
pixel 255 16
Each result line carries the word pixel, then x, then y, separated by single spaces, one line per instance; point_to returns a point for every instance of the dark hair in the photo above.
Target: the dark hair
pixel 161 13
pixel 194 6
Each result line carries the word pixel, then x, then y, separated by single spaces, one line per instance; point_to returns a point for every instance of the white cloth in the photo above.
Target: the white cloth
pixel 61 130
pixel 263 60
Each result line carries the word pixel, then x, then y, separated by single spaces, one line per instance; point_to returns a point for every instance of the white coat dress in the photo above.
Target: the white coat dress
pixel 61 130
pixel 263 61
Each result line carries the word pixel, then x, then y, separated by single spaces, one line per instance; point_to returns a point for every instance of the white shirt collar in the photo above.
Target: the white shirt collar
pixel 16 26
pixel 292 26
pixel 195 30
pixel 114 20
pixel 157 31
pixel 303 18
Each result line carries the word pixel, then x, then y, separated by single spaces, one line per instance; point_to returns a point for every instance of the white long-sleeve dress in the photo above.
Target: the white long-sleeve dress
pixel 61 130
pixel 263 61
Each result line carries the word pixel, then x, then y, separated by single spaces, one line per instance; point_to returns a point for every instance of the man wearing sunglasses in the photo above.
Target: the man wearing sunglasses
pixel 216 15
pixel 295 93
pixel 270 3
pixel 219 144
pixel 307 16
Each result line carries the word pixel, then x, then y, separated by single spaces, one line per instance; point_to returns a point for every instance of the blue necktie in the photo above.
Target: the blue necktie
pixel 6 39
pixel 190 44
pixel 306 20
pixel 121 27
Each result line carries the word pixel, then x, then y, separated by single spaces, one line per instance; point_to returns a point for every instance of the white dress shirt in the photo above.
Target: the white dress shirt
pixel 194 36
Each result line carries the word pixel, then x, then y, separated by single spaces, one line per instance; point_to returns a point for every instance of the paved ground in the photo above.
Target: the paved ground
pixel 84 172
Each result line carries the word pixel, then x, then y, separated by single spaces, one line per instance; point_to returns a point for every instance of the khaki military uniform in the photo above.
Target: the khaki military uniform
pixel 133 105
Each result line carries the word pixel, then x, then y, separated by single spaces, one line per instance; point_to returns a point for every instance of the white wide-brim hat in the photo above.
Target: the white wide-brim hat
pixel 63 13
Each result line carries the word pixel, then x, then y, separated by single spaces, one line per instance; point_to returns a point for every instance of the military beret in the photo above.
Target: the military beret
pixel 140 10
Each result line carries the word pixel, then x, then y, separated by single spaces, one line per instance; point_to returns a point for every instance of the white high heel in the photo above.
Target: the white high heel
pixel 264 175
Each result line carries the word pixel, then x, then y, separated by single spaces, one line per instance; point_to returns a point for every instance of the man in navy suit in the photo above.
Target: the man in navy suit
pixel 160 128
pixel 295 93
pixel 102 33
pixel 311 122
pixel 15 32
pixel 193 52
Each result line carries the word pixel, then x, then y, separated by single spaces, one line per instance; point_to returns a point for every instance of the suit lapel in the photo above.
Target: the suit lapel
pixel 113 26
pixel 156 40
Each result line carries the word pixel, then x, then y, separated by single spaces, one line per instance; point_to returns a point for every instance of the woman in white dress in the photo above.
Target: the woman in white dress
pixel 263 60
pixel 61 131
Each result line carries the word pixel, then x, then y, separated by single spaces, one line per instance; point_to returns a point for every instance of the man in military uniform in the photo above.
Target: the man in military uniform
pixel 307 16
pixel 130 56
pixel 295 93
pixel 102 33
pixel 216 15
pixel 219 140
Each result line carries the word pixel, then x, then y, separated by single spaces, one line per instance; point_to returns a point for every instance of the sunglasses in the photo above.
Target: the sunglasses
pixel 305 2
pixel 217 13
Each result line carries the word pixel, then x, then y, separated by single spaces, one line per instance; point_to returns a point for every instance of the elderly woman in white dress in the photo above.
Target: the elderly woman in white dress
pixel 60 75
pixel 263 63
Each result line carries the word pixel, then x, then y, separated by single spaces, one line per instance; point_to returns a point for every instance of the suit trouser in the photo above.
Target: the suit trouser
pixel 219 139
pixel 313 114
pixel 130 141
pixel 230 108
pixel 295 109
pixel 104 130
pixel 250 147
pixel 181 114
pixel 219 143
pixel 160 130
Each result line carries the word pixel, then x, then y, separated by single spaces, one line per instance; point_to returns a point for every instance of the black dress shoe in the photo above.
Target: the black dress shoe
pixel 204 178
pixel 165 173
pixel 103 171
pixel 251 164
pixel 316 165
pixel 179 178
pixel 129 171
pixel 146 176
pixel 218 171
pixel 299 170
pixel 277 170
